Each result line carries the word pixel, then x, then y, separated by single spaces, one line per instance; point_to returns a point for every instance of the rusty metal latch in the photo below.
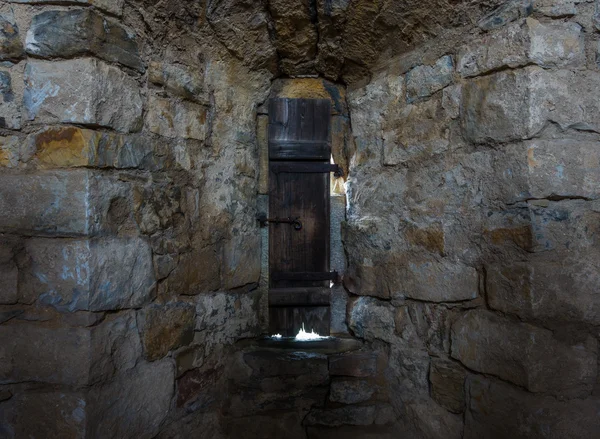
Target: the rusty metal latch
pixel 264 221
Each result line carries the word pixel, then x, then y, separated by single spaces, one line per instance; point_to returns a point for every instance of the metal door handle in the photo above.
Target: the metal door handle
pixel 264 221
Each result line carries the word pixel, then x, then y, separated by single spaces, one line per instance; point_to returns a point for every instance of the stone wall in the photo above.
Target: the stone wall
pixel 130 257
pixel 472 231
pixel 129 250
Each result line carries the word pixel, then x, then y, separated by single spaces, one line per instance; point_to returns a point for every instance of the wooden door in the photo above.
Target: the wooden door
pixel 299 165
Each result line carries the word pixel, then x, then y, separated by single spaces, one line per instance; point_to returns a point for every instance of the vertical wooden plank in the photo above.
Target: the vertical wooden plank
pixel 304 196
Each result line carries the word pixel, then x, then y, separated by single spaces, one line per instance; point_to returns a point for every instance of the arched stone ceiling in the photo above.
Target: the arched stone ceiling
pixel 337 39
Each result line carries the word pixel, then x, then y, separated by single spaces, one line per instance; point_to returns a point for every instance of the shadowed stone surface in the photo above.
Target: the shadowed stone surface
pixel 80 32
pixel 524 354
pixel 497 410
pixel 164 328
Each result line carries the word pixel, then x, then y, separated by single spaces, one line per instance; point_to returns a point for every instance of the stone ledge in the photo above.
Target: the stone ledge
pixel 331 345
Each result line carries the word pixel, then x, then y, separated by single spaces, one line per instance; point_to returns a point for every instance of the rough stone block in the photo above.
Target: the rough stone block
pixel 350 391
pixel 564 97
pixel 179 80
pixel 524 354
pixel 447 380
pixel 434 281
pixel 499 410
pixel 95 275
pixel 197 272
pixel 166 327
pixel 356 364
pixel 517 105
pixel 226 317
pixel 241 261
pixel 44 414
pixel 556 8
pixel 495 107
pixel 39 353
pixel 418 132
pixel 176 119
pixel 10 113
pixel 550 168
pixel 65 203
pixel 79 32
pixel 372 319
pixel 423 81
pixel 56 203
pixel 116 346
pixel 506 13
pixel 137 400
pixel 558 290
pixel 10 41
pixel 112 6
pixel 82 91
pixel 528 42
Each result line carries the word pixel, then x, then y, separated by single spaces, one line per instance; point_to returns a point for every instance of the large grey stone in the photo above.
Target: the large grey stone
pixel 176 119
pixel 423 81
pixel 226 317
pixel 79 32
pixel 524 354
pixel 10 41
pixel 557 8
pixel 433 281
pixel 97 275
pixel 166 327
pixel 179 80
pixel 134 404
pixel 10 113
pixel 551 168
pixel 371 319
pixel 560 282
pixel 64 203
pixel 496 107
pixel 516 105
pixel 522 43
pixel 350 392
pixel 416 133
pixel 510 11
pixel 40 353
pixel 116 346
pixel 497 410
pixel 56 202
pixel 83 91
pixel 44 413
pixel 241 261
pixel 112 6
